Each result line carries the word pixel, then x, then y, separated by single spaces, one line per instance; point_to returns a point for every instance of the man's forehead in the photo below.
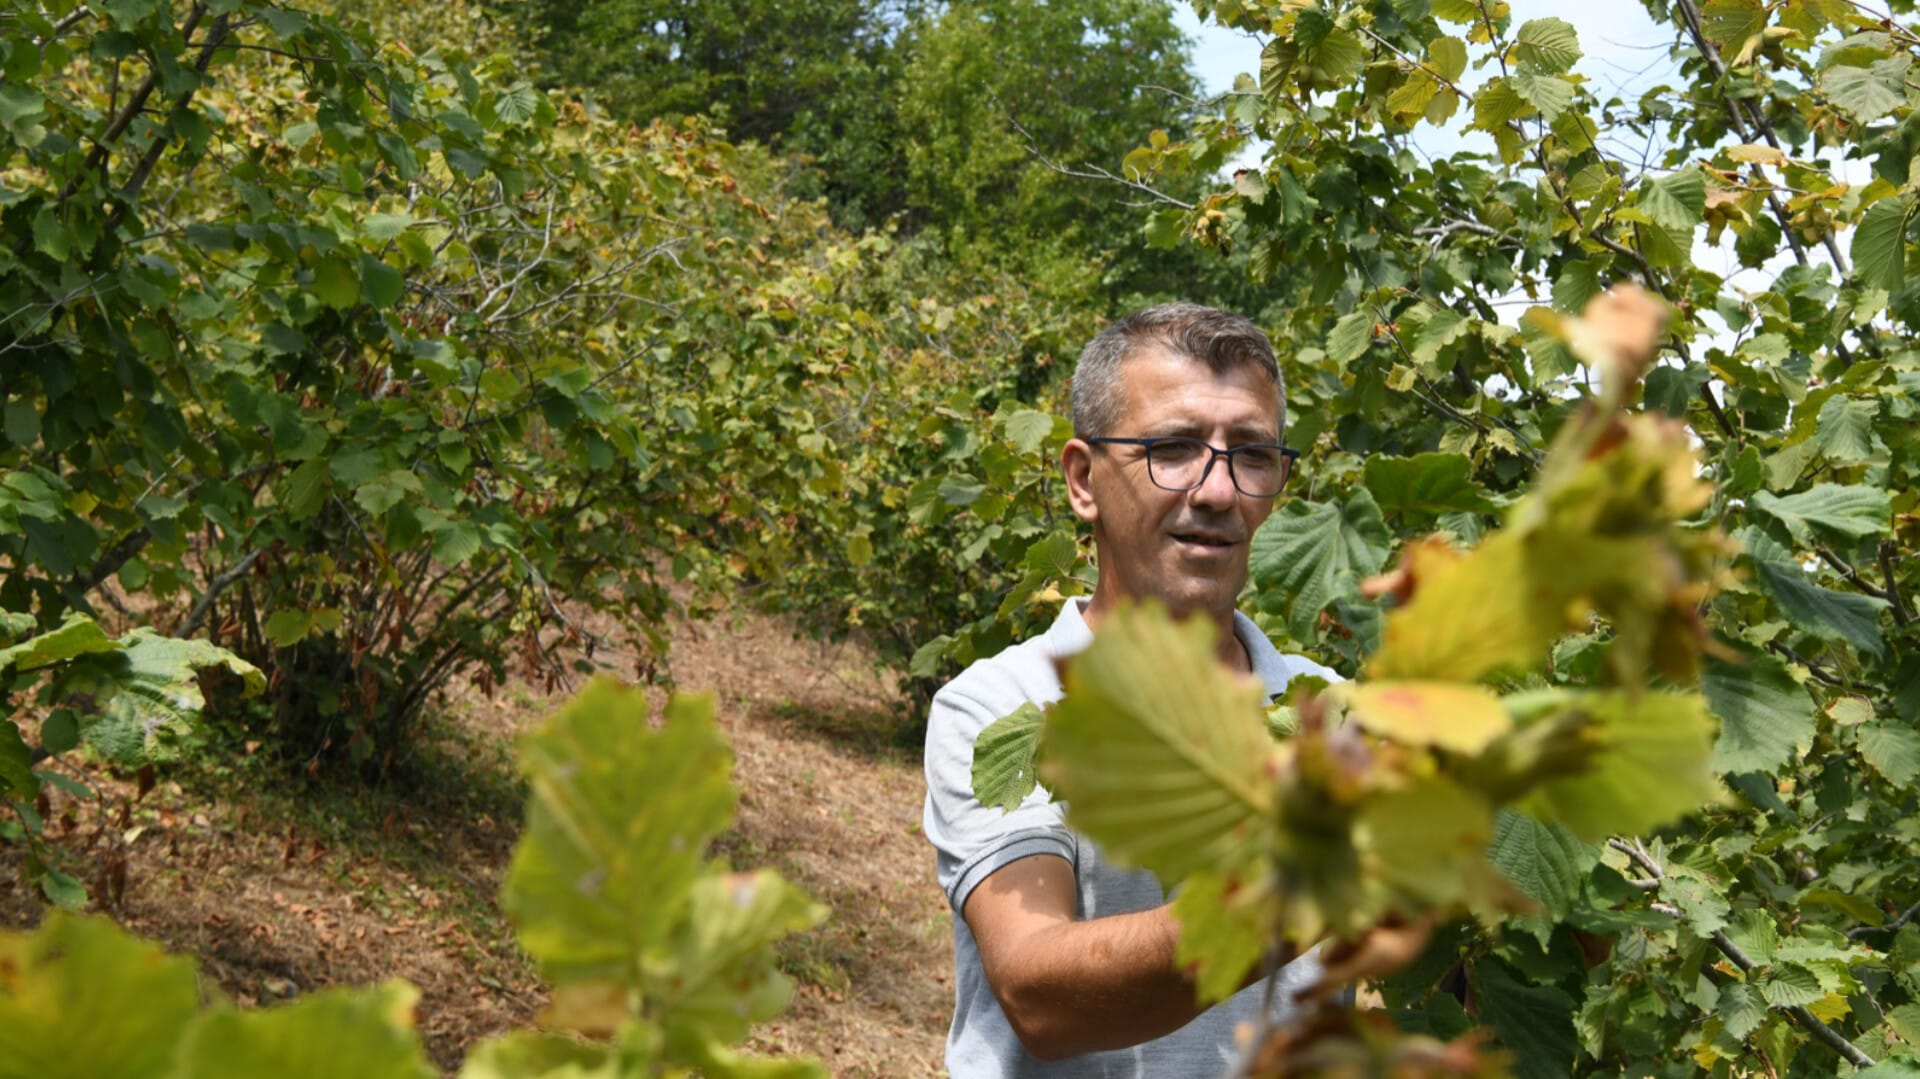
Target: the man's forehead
pixel 1179 390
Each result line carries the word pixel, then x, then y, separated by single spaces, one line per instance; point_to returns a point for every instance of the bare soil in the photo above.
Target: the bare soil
pixel 282 885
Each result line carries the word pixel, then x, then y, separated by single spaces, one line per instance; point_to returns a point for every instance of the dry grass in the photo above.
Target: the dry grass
pixel 281 884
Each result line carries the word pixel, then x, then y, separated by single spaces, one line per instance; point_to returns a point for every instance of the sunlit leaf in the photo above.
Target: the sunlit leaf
pixel 1160 753
pixel 618 824
pixel 1547 46
pixel 1445 715
pixel 1852 512
pixel 1893 751
pixel 360 1032
pixel 1652 767
pixel 1003 758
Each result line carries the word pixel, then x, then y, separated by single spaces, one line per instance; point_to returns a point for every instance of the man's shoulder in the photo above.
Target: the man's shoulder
pixel 1021 673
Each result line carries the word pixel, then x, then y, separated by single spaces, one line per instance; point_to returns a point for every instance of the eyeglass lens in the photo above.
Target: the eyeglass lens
pixel 1180 464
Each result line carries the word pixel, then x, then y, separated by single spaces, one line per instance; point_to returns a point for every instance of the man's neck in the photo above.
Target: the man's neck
pixel 1231 652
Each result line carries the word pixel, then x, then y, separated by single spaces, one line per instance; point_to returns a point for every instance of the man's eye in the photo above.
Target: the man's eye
pixel 1263 459
pixel 1176 452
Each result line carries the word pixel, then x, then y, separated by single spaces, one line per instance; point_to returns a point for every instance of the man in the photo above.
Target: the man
pixel 1064 963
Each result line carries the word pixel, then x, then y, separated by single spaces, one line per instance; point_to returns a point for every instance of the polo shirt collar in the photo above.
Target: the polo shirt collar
pixel 1070 634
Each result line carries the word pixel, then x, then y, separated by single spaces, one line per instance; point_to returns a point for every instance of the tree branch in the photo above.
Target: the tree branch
pixel 1900 614
pixel 1891 927
pixel 204 605
pixel 1094 172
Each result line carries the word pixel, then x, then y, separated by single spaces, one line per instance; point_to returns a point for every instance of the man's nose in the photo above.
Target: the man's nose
pixel 1216 488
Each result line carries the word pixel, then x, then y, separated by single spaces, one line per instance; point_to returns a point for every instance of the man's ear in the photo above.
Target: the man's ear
pixel 1076 462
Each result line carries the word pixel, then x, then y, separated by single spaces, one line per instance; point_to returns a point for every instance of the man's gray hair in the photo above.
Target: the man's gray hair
pixel 1220 339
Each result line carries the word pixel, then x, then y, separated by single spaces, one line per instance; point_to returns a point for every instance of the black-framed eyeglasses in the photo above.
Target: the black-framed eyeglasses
pixel 1178 463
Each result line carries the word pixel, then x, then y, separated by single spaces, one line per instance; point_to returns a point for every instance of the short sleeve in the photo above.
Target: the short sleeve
pixel 972 840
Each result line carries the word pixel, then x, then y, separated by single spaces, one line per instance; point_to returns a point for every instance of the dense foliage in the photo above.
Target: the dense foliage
pixel 1773 932
pixel 439 354
pixel 659 965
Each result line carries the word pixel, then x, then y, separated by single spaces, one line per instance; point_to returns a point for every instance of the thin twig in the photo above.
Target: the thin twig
pixel 1893 926
pixel 1093 172
pixel 1894 600
pixel 204 605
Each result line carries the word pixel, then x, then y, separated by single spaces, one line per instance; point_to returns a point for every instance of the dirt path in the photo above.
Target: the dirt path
pixel 283 887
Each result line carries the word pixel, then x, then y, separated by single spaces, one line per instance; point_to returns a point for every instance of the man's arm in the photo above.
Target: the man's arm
pixel 1069 986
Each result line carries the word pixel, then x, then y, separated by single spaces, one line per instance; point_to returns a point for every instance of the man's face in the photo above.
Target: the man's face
pixel 1186 548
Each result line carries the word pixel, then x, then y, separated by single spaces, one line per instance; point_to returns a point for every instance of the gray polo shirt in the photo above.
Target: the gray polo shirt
pixel 973 840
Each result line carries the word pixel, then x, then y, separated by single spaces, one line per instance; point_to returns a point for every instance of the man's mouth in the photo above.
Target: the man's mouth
pixel 1204 539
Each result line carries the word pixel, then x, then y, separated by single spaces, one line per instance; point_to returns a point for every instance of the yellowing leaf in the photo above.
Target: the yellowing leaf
pixel 1445 715
pixel 1651 769
pixel 1749 153
pixel 1159 751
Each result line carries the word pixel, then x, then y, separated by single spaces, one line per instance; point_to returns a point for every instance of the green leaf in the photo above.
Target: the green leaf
pixel 1787 985
pixel 525 1053
pixel 1549 94
pixel 307 488
pixel 1309 554
pixel 961 490
pixel 1852 512
pixel 1651 768
pixel 1159 752
pixel 288 626
pixel 1868 92
pixel 619 819
pixel 1428 484
pixel 82 997
pixel 61 732
pixel 1003 758
pixel 1544 860
pixel 335 283
pixel 930 657
pixel 1729 23
pixel 1829 615
pixel 1223 935
pixel 360 1032
pixel 17 781
pixel 1765 716
pixel 77 636
pixel 1740 1008
pixel 1028 429
pixel 456 543
pixel 22 422
pixel 384 285
pixel 1535 1022
pixel 1880 244
pixel 518 105
pixel 1677 200
pixel 1547 46
pixel 1496 104
pixel 1448 56
pixel 384 227
pixel 724 971
pixel 153 694
pixel 1843 432
pixel 1350 337
pixel 1893 750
